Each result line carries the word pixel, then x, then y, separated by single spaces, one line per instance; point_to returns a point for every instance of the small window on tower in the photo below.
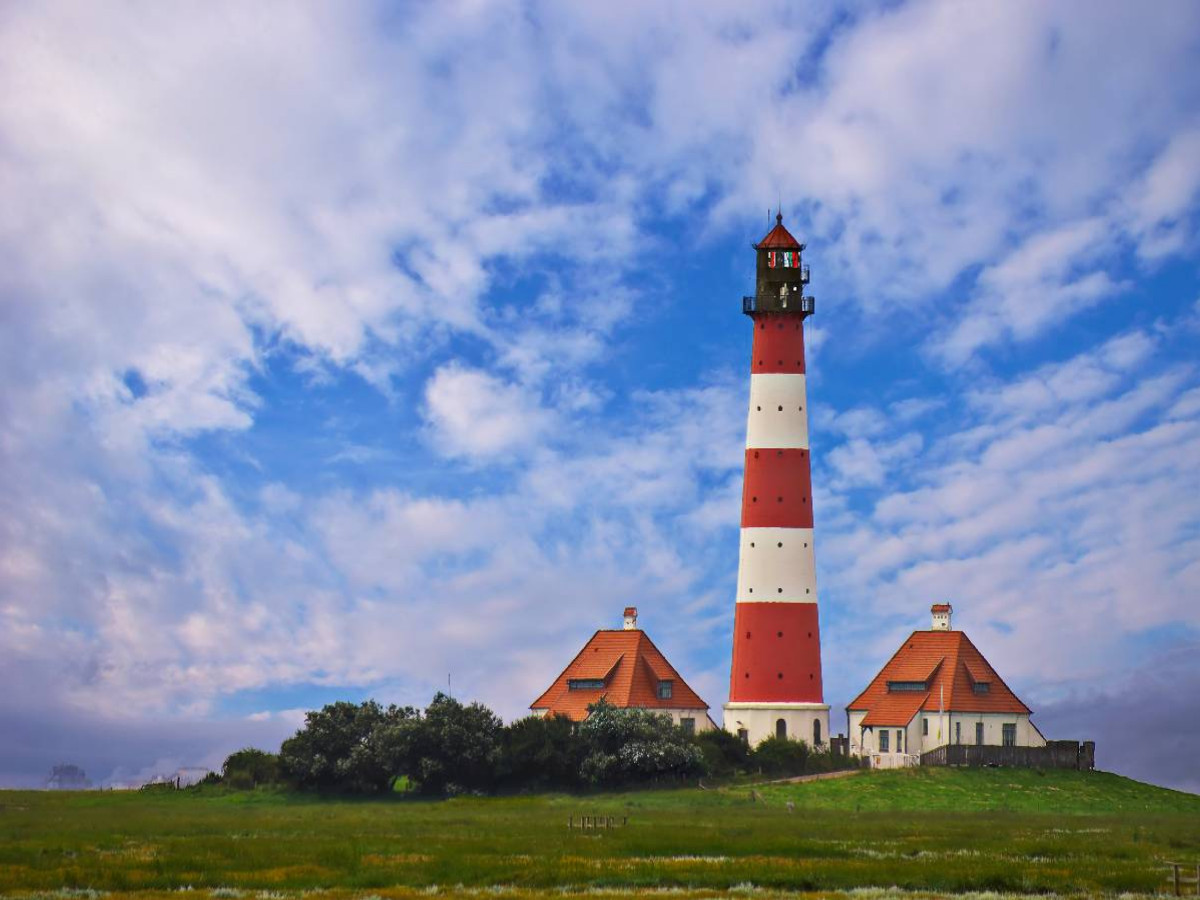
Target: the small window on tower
pixel 666 688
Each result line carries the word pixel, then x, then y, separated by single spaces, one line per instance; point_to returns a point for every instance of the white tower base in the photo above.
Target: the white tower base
pixel 760 721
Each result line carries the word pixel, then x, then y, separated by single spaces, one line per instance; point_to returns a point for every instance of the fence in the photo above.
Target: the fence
pixel 894 760
pixel 1180 881
pixel 1055 755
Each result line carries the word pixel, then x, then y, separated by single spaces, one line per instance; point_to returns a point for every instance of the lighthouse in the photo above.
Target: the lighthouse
pixel 775 682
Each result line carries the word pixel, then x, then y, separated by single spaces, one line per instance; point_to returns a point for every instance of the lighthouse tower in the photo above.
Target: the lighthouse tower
pixel 775 683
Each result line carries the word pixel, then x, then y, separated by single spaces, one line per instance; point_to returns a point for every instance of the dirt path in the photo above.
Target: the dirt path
pixel 821 776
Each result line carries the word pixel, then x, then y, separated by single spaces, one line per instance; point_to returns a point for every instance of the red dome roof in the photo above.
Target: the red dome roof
pixel 779 238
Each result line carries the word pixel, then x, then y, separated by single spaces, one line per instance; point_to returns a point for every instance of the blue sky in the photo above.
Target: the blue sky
pixel 348 348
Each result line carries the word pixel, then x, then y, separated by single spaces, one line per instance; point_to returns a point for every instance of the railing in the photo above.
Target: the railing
pixel 1055 755
pixel 804 305
pixel 894 760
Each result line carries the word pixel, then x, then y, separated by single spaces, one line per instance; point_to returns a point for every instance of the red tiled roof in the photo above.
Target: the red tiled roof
pixel 632 668
pixel 895 709
pixel 940 607
pixel 779 238
pixel 953 663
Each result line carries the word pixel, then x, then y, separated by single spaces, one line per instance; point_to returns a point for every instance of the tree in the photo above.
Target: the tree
pixel 248 768
pixel 335 749
pixel 725 754
pixel 542 752
pixel 625 746
pixel 68 777
pixel 781 756
pixel 454 747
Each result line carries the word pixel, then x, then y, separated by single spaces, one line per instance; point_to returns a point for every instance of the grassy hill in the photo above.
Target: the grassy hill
pixel 986 790
pixel 931 832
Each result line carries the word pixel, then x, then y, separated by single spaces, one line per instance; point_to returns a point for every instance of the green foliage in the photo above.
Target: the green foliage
pixel 542 752
pixel 339 748
pixel 451 749
pixel 725 754
pixel 781 756
pixel 630 746
pixel 248 768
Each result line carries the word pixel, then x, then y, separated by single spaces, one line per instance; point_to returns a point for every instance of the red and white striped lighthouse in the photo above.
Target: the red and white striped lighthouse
pixel 775 682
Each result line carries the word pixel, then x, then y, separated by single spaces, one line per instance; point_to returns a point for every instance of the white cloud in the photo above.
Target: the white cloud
pixel 475 414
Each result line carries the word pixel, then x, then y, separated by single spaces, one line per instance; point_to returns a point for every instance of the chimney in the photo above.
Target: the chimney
pixel 941 616
pixel 630 618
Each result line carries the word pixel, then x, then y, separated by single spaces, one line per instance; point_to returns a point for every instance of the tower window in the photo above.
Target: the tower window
pixel 780 728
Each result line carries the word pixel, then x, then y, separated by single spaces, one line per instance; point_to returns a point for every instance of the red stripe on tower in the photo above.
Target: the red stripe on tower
pixel 775 678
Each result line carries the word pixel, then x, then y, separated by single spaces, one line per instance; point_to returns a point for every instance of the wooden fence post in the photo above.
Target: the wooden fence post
pixel 1175 871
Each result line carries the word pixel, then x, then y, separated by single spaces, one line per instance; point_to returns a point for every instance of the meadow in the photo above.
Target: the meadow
pixel 913 833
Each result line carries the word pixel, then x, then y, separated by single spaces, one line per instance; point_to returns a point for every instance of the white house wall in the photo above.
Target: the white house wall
pixel 916 741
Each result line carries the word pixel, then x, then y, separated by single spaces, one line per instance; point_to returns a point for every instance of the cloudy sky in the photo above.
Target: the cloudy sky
pixel 345 348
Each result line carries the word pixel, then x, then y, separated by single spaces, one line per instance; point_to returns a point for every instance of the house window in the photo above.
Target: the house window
pixel 780 728
pixel 883 740
pixel 981 687
pixel 585 684
pixel 906 686
pixel 688 726
pixel 743 735
pixel 816 732
pixel 1010 735
pixel 925 727
pixel 666 688
pixel 899 741
pixel 979 734
pixel 958 732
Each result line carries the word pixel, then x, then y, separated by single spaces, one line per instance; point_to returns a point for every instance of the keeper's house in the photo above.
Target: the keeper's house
pixel 626 669
pixel 938 689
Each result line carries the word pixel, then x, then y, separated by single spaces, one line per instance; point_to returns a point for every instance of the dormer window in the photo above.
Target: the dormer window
pixel 585 684
pixel 981 687
pixel 666 688
pixel 900 686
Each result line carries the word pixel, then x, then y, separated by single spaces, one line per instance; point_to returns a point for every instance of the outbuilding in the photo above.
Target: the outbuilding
pixel 624 668
pixel 937 689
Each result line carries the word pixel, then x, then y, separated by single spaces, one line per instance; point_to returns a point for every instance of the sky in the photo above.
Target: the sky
pixel 369 350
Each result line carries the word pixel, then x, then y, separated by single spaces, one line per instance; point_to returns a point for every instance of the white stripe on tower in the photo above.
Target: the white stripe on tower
pixel 778 414
pixel 777 565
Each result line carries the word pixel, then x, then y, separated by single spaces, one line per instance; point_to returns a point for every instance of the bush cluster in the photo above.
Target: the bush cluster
pixel 452 748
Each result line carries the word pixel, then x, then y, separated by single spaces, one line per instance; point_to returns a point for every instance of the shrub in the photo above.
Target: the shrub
pixel 725 754
pixel 248 768
pixel 625 746
pixel 452 746
pixel 337 749
pixel 781 756
pixel 542 752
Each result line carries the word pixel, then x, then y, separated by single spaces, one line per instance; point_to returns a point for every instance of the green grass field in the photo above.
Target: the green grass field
pixel 923 833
